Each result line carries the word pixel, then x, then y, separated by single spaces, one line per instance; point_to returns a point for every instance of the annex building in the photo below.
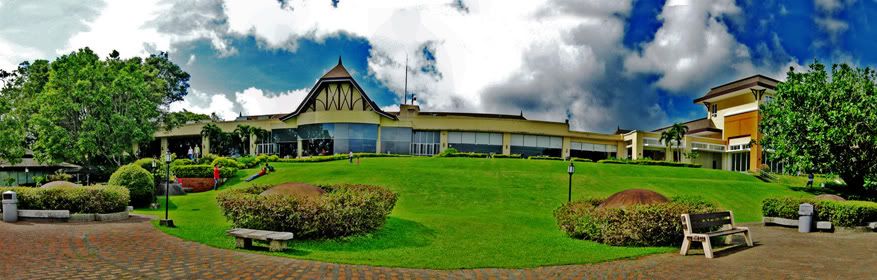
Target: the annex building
pixel 337 117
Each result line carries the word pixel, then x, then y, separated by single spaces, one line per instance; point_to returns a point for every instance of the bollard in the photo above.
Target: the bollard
pixel 10 207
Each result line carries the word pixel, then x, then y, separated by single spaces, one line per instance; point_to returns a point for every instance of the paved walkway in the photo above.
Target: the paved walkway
pixel 133 249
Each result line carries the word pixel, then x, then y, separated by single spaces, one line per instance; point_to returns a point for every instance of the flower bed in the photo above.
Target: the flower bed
pixel 635 225
pixel 342 211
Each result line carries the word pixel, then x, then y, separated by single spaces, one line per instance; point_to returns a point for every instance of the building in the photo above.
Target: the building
pixel 23 173
pixel 337 117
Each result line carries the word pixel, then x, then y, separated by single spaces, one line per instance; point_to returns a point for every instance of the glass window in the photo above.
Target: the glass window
pixel 455 137
pixel 556 142
pixel 482 138
pixel 496 139
pixel 517 140
pixel 468 138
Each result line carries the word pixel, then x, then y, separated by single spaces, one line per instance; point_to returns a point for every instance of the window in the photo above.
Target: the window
pixel 592 151
pixel 715 109
pixel 740 162
pixel 535 145
pixel 476 142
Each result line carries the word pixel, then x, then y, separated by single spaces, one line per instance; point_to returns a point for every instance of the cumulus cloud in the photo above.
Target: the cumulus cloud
pixel 12 54
pixel 693 48
pixel 255 101
pixel 826 18
pixel 204 103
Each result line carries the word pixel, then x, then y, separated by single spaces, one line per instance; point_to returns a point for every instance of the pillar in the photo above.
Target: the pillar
pixel 252 139
pixel 507 143
pixel 164 146
pixel 298 148
pixel 205 145
pixel 378 144
pixel 565 147
pixel 621 149
pixel 443 139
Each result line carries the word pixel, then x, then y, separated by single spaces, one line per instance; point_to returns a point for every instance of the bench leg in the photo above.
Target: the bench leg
pixel 277 245
pixel 686 244
pixel 748 238
pixel 240 242
pixel 707 248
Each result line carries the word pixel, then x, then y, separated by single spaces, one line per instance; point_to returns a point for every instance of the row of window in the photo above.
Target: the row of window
pixel 477 138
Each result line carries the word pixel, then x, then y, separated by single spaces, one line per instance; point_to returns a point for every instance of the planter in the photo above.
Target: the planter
pixel 780 221
pixel 820 225
pixel 197 184
pixel 66 216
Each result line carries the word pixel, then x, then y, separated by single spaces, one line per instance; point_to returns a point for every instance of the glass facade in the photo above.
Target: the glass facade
pixel 327 139
pixel 740 161
pixel 425 143
pixel 476 142
pixel 592 151
pixel 396 140
pixel 287 142
pixel 536 145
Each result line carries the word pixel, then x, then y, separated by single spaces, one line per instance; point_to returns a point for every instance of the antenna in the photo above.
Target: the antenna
pixel 406 80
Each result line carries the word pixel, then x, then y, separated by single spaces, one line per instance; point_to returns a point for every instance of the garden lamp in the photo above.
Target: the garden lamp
pixel 167 185
pixel 570 169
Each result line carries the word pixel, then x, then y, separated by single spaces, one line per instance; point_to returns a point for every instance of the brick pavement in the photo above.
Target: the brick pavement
pixel 134 249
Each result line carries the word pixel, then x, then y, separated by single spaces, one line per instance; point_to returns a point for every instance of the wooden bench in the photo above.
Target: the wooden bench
pixel 694 224
pixel 276 240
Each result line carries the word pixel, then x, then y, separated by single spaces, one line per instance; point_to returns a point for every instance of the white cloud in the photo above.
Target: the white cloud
pixel 12 54
pixel 191 60
pixel 204 103
pixel 254 101
pixel 825 18
pixel 693 47
pixel 122 26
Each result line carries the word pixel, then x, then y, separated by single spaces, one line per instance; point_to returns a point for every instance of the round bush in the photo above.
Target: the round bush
pixel 342 211
pixel 227 162
pixel 139 182
pixel 91 199
pixel 656 224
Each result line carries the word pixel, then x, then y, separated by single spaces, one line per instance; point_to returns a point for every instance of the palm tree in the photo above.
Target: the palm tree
pixel 214 135
pixel 243 134
pixel 675 133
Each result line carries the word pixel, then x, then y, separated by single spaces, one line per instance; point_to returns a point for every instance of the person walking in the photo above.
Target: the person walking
pixel 810 180
pixel 350 157
pixel 198 151
pixel 191 153
pixel 215 176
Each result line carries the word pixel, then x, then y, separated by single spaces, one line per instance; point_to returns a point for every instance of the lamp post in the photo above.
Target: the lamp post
pixel 154 182
pixel 26 175
pixel 570 169
pixel 167 185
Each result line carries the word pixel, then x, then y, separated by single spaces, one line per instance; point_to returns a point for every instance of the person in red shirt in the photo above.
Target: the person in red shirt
pixel 215 176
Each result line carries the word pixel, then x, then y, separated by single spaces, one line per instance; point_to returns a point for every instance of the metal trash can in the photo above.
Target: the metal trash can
pixel 805 217
pixel 10 206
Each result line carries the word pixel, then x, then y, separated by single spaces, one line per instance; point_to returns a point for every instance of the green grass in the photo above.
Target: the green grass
pixel 469 213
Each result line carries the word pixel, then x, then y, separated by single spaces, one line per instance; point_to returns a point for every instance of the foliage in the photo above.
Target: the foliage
pixel 823 123
pixel 227 162
pixel 650 162
pixel 840 213
pixel 582 159
pixel 39 180
pixel 139 181
pixel 86 110
pixel 674 133
pixel 201 171
pixel 176 119
pixel 507 156
pixel 207 159
pixel 59 175
pixel 181 161
pixel 342 211
pixel 544 158
pixel 92 199
pixel 637 225
pixel 447 152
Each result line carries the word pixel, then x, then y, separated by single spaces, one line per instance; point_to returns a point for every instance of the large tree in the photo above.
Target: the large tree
pixel 82 109
pixel 825 123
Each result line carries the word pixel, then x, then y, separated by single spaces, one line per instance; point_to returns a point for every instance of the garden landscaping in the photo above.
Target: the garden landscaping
pixel 468 213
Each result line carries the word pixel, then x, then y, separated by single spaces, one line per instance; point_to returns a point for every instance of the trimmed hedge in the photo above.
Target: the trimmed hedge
pixel 342 211
pixel 202 171
pixel 637 225
pixel 468 155
pixel 227 162
pixel 140 183
pixel 839 213
pixel 92 199
pixel 650 162
pixel 544 158
pixel 507 156
pixel 582 159
pixel 337 157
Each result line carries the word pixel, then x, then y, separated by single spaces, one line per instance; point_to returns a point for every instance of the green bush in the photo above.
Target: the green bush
pixel 181 161
pixel 468 155
pixel 582 159
pixel 839 213
pixel 92 199
pixel 140 183
pixel 336 157
pixel 59 175
pixel 202 171
pixel 544 158
pixel 342 211
pixel 650 162
pixel 227 162
pixel 447 152
pixel 507 156
pixel 207 159
pixel 637 225
pixel 248 161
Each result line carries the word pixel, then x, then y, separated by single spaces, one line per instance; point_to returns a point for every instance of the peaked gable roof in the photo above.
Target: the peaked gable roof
pixel 337 74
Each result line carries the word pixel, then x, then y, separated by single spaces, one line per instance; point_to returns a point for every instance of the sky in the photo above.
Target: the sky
pixel 632 64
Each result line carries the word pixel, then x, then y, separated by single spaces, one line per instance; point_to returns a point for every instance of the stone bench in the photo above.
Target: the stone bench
pixel 276 240
pixel 44 214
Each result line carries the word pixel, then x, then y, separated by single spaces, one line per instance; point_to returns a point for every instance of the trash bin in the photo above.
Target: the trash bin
pixel 805 217
pixel 10 206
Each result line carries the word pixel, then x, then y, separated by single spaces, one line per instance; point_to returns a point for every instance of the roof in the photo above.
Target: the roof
pixel 695 126
pixel 620 130
pixel 337 72
pixel 748 82
pixel 32 163
pixel 474 115
pixel 260 117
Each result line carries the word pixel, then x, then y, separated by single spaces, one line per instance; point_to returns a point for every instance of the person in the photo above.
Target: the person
pixel 215 176
pixel 191 153
pixel 350 157
pixel 268 167
pixel 810 180
pixel 197 151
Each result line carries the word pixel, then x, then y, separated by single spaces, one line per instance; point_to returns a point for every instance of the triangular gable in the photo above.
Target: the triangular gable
pixel 330 94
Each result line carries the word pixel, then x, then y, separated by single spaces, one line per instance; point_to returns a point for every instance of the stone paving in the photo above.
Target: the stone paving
pixel 134 249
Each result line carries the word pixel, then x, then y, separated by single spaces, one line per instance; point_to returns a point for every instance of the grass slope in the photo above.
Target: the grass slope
pixel 468 213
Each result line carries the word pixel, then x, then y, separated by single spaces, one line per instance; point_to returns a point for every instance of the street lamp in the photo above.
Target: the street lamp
pixel 167 222
pixel 570 169
pixel 154 182
pixel 26 175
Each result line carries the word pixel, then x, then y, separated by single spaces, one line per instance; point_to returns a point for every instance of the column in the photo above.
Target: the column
pixel 298 148
pixel 378 144
pixel 443 139
pixel 507 143
pixel 164 146
pixel 205 145
pixel 564 148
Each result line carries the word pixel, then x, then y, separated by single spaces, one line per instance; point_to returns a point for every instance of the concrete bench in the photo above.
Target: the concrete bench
pixel 276 240
pixel 693 222
pixel 44 214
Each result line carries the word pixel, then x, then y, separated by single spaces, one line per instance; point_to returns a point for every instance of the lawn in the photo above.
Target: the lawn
pixel 470 213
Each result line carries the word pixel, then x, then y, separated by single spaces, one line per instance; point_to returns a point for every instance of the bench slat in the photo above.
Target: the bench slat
pixel 726 232
pixel 706 216
pixel 709 223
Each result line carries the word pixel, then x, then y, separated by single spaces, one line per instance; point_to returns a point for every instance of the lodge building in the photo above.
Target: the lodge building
pixel 337 117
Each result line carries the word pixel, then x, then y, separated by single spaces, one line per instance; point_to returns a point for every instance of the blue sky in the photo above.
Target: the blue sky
pixel 601 64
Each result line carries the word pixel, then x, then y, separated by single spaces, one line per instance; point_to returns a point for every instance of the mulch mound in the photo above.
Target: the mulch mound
pixel 295 189
pixel 56 184
pixel 632 197
pixel 830 197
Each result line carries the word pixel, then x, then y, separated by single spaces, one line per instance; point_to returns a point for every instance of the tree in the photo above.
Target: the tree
pixel 243 132
pixel 674 133
pixel 176 119
pixel 823 123
pixel 215 135
pixel 85 110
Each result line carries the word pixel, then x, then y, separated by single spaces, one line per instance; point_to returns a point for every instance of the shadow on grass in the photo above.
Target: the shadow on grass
pixel 813 190
pixel 396 233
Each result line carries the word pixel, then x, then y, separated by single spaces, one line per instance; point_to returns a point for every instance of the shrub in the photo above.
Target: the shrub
pixel 582 159
pixel 227 162
pixel 342 211
pixel 839 213
pixel 637 225
pixel 182 161
pixel 39 180
pixel 59 175
pixel 207 159
pixel 446 152
pixel 469 155
pixel 202 171
pixel 507 156
pixel 648 161
pixel 139 182
pixel 336 157
pixel 544 158
pixel 92 199
pixel 248 161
